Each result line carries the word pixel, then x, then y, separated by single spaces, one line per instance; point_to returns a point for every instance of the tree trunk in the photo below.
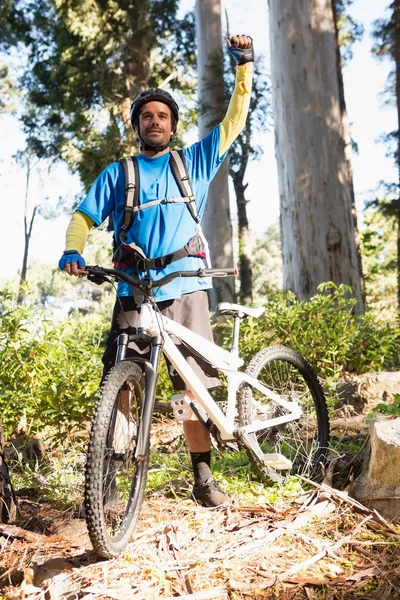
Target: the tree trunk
pixel 216 220
pixel 396 15
pixel 347 148
pixel 27 233
pixel 245 269
pixel 315 184
pixel 7 499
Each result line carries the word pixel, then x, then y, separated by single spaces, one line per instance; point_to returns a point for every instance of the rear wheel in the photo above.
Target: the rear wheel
pixel 304 441
pixel 115 479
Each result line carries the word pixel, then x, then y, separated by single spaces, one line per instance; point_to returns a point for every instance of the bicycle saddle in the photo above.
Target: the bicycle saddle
pixel 236 310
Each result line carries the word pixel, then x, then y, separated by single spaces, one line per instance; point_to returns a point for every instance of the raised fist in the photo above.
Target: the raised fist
pixel 241 48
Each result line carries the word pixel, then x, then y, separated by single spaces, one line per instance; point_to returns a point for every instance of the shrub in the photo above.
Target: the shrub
pixel 50 374
pixel 325 330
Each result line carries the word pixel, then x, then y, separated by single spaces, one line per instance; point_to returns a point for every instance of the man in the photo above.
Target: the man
pixel 161 228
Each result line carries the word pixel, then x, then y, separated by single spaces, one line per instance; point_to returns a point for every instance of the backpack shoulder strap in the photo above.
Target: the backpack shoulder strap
pixel 132 189
pixel 179 170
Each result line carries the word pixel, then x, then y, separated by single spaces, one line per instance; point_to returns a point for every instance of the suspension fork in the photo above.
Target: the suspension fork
pixel 151 378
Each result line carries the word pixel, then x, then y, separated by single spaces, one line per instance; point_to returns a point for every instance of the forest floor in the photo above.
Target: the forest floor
pixel 312 541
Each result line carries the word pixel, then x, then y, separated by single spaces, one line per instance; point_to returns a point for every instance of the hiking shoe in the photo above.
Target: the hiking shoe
pixel 210 494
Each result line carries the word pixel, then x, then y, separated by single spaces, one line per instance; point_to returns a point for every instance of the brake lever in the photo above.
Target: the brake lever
pixel 96 277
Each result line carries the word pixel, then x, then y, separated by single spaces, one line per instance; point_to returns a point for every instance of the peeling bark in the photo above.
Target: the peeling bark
pixel 317 225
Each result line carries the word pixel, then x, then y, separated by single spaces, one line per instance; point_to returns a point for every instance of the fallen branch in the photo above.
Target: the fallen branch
pixel 170 547
pixel 349 424
pixel 17 532
pixel 162 407
pixel 329 550
pixel 355 504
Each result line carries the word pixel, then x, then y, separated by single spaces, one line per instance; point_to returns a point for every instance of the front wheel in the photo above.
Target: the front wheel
pixel 304 441
pixel 115 479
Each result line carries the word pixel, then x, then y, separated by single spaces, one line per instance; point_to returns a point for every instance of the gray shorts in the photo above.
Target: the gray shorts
pixel 190 310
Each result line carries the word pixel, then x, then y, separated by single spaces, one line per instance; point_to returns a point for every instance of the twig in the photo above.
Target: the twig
pixel 220 592
pixel 16 563
pixel 328 475
pixel 171 549
pixel 354 503
pixel 330 550
pixel 352 461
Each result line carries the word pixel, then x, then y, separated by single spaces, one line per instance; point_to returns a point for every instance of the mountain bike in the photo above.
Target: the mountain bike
pixel 275 410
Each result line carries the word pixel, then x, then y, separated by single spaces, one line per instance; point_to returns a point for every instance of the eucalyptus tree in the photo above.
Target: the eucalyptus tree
pixel 315 182
pixel 243 150
pixel 210 68
pixel 347 32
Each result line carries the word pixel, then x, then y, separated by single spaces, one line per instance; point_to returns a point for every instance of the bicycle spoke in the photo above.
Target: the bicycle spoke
pixel 285 373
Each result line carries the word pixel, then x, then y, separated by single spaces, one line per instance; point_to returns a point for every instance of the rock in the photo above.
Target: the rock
pixel 75 531
pixel 378 486
pixel 361 393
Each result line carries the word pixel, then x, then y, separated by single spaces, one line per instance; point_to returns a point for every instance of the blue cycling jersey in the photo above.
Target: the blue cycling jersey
pixel 161 228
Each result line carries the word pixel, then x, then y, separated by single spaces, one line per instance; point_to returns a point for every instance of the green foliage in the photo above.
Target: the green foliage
pixel 267 263
pixel 86 62
pixel 379 254
pixel 8 91
pixel 325 331
pixel 384 35
pixel 50 374
pixel 388 409
pixel 349 30
pixel 58 479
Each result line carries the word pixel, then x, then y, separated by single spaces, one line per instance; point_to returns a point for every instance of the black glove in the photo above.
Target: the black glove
pixel 242 55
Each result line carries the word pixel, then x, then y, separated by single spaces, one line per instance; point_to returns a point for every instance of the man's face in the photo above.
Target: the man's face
pixel 155 124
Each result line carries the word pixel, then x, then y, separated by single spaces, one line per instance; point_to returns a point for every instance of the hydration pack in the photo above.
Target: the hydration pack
pixel 131 255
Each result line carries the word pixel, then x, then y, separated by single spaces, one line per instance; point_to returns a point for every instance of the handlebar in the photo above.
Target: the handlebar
pixel 100 274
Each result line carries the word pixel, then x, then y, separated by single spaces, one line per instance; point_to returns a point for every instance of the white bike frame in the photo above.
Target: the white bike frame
pixel 226 362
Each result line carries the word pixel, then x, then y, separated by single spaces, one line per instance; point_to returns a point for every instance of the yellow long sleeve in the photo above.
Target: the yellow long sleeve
pixel 235 118
pixel 77 232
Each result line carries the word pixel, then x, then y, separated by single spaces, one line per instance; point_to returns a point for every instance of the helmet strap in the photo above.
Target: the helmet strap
pixel 148 147
pixel 155 149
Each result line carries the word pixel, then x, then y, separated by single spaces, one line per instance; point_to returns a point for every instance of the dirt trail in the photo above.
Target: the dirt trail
pixel 318 545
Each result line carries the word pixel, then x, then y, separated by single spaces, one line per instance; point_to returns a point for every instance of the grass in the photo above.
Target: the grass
pixel 58 478
pixel 172 474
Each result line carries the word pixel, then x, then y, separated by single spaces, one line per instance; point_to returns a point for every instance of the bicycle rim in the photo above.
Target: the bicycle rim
pixel 115 479
pixel 303 441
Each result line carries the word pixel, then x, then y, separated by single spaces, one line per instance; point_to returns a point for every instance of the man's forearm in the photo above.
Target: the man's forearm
pixel 236 115
pixel 77 232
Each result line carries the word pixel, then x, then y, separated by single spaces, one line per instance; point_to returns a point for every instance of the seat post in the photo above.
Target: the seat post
pixel 235 335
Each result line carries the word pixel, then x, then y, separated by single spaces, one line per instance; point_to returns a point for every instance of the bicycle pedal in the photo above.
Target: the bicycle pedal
pixel 277 461
pixel 181 408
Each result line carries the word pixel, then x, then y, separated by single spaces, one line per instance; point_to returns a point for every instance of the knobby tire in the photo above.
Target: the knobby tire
pixel 115 481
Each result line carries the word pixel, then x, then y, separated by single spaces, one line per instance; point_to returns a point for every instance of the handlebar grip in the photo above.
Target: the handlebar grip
pixel 221 272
